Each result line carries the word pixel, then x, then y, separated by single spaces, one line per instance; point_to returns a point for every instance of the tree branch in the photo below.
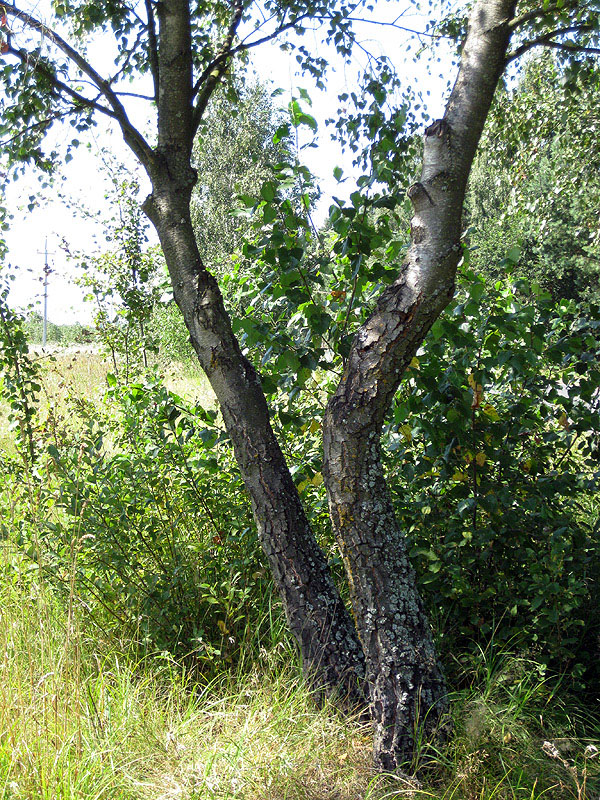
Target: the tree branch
pixel 393 24
pixel 542 12
pixel 152 47
pixel 128 56
pixel 269 37
pixel 573 47
pixel 225 56
pixel 62 88
pixel 131 135
pixel 244 45
pixel 41 124
pixel 547 40
pixel 212 75
pixel 136 94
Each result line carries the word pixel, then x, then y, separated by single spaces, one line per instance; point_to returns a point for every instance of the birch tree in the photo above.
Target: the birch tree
pixel 382 655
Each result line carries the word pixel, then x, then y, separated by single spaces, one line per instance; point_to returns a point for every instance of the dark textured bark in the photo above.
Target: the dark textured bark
pixel 404 677
pixel 331 653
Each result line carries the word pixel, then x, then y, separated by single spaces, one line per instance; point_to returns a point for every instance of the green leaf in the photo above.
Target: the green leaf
pixel 282 132
pixel 268 191
pixel 514 254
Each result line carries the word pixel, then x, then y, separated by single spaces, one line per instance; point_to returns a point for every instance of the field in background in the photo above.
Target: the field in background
pixel 79 371
pixel 82 370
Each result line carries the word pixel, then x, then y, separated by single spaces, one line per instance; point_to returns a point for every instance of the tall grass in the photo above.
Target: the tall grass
pixel 81 718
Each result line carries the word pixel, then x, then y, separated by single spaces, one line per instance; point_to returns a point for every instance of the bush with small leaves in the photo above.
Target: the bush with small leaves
pixel 151 529
pixel 493 459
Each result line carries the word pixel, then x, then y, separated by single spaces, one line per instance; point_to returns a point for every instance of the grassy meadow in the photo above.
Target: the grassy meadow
pixel 85 714
pixel 76 372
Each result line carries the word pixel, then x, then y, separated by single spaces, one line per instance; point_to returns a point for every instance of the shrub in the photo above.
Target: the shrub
pixel 493 461
pixel 150 528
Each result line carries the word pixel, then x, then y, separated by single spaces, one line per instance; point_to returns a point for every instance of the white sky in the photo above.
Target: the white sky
pixel 85 184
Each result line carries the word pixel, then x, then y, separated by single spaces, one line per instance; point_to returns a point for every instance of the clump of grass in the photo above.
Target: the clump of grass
pixel 516 736
pixel 80 719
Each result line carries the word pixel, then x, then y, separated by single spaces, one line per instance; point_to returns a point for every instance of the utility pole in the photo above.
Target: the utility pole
pixel 47 272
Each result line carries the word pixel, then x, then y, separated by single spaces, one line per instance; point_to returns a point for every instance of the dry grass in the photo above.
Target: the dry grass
pixel 78 372
pixel 73 373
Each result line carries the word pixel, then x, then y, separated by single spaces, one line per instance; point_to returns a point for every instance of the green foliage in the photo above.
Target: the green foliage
pixel 50 82
pixel 63 334
pixel 20 375
pixel 124 283
pixel 234 152
pixel 310 289
pixel 173 338
pixel 492 450
pixel 147 520
pixel 493 461
pixel 535 183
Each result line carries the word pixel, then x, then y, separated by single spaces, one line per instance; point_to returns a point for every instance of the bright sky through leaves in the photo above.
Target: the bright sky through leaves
pixel 84 184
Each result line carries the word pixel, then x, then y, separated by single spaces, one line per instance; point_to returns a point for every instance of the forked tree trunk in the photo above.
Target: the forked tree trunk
pixel 331 653
pixel 406 684
pixel 404 678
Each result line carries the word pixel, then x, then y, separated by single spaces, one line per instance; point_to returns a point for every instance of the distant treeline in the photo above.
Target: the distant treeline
pixel 75 333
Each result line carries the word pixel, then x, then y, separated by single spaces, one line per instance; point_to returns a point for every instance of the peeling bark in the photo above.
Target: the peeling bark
pixel 404 677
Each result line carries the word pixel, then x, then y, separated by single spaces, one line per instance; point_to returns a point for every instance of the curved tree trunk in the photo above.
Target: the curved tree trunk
pixel 405 681
pixel 331 653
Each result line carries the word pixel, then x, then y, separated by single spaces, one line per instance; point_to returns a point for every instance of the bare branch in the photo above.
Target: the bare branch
pixel 392 24
pixel 264 23
pixel 573 47
pixel 135 94
pixel 269 37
